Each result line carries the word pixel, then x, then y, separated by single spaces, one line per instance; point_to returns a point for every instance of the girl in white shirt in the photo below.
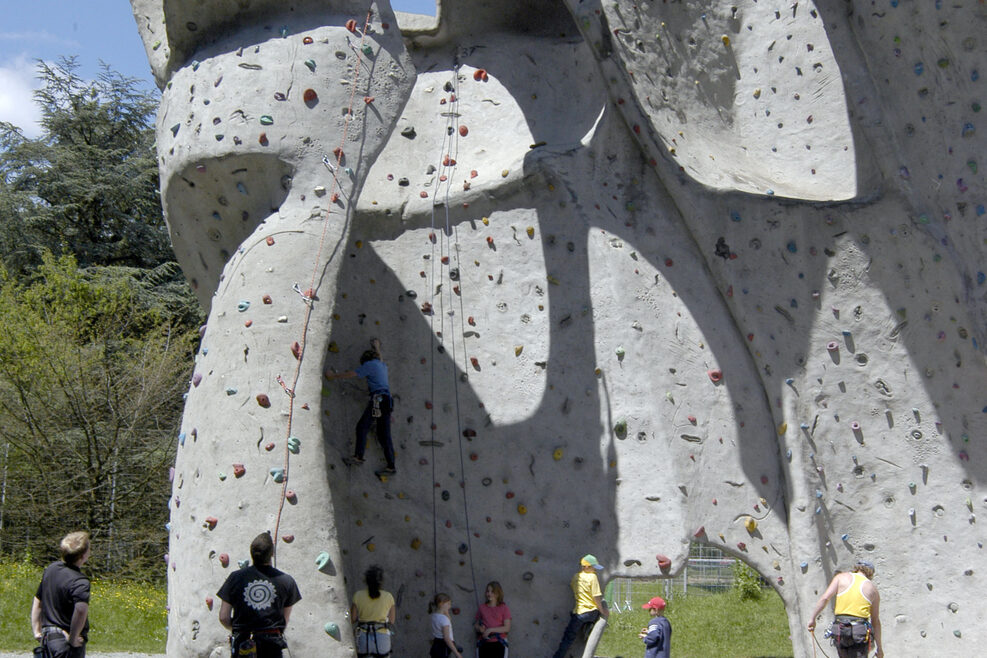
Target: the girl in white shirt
pixel 443 645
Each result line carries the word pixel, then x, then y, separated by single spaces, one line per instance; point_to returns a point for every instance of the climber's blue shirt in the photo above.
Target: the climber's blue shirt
pixel 375 371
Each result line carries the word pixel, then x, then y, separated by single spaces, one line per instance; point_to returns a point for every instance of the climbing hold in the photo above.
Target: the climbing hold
pixel 522 509
pixel 782 428
pixel 742 546
pixel 310 96
pixel 294 445
pixel 463 131
pixel 266 120
pixel 664 562
pixel 480 74
pixel 243 564
pixel 288 538
pixel 620 428
pixel 332 630
pixel 751 524
pixel 557 454
pixel 619 352
pixel 277 474
pixel 239 470
pixel 726 40
pixel 224 560
pixel 367 49
pixel 242 305
pixel 296 349
pixel 530 231
pixel 262 139
pixel 416 543
pixel 291 496
pixel 269 447
pixel 211 522
pixel 307 41
pixel 263 400
pixel 209 602
pixel 715 375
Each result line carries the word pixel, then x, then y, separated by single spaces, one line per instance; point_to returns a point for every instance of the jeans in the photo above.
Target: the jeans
pixel 383 428
pixel 58 647
pixel 266 646
pixel 575 626
pixel 491 650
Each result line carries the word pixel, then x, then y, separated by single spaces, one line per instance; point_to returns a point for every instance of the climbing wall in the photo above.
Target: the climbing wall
pixel 643 273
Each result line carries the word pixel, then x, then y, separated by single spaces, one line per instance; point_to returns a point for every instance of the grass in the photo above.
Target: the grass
pixel 122 616
pixel 706 625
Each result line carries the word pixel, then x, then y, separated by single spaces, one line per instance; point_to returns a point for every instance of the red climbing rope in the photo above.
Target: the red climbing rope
pixel 309 295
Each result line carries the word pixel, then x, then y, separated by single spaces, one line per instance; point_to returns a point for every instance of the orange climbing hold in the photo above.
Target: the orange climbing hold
pixel 267 299
pixel 269 240
pixel 263 400
pixel 351 25
pixel 368 100
pixel 480 74
pixel 309 96
pixel 475 362
pixel 307 41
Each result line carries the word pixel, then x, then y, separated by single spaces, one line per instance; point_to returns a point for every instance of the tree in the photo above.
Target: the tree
pixel 89 185
pixel 93 364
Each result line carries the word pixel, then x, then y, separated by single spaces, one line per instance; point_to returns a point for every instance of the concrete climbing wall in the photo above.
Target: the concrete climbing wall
pixel 644 274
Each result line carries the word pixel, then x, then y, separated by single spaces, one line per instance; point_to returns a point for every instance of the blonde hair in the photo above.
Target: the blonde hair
pixel 497 590
pixel 74 545
pixel 440 599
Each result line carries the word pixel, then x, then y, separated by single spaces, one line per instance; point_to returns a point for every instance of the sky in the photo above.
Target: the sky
pixel 92 30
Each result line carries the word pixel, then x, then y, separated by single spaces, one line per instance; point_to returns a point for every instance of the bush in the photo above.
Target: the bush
pixel 746 582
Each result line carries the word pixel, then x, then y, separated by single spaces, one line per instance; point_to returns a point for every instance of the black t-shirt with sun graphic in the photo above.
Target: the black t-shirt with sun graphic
pixel 259 595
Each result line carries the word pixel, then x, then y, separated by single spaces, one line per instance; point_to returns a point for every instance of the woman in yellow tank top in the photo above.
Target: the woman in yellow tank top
pixel 857 612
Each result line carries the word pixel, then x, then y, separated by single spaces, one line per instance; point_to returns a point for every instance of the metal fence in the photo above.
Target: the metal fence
pixel 708 570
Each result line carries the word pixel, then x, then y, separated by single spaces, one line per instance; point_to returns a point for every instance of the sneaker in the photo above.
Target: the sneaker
pixel 387 470
pixel 353 461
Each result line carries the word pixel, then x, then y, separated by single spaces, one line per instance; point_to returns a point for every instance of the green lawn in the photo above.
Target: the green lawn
pixel 705 625
pixel 122 616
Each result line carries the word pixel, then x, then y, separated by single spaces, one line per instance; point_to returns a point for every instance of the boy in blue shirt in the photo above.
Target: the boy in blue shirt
pixel 658 635
pixel 373 368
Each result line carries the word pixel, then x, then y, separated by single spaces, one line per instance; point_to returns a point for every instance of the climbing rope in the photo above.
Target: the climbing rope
pixel 448 154
pixel 308 296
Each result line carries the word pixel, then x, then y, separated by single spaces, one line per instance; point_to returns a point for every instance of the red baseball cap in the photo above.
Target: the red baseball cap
pixel 656 603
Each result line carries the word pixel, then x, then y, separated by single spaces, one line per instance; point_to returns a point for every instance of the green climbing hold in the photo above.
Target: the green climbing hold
pixel 294 445
pixel 367 50
pixel 620 429
pixel 266 120
pixel 332 630
pixel 310 63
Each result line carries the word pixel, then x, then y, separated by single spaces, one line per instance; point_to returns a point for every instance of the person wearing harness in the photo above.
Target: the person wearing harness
pixel 373 368
pixel 257 603
pixel 857 612
pixel 372 614
pixel 493 623
pixel 60 611
pixel 589 603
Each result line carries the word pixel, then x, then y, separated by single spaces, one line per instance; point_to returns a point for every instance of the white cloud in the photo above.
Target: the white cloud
pixel 17 85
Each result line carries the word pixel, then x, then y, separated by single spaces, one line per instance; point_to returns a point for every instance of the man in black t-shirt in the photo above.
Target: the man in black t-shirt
pixel 257 602
pixel 60 612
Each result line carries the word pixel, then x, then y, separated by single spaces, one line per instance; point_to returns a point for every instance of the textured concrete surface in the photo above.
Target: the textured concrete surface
pixel 643 273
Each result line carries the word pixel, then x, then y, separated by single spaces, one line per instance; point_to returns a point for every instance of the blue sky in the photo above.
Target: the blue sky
pixel 92 30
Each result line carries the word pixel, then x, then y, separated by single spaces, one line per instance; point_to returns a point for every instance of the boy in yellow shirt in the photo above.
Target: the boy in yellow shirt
pixel 589 603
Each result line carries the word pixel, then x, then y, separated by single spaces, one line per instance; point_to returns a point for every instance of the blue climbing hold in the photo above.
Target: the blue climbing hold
pixel 734 215
pixel 241 188
pixel 981 277
pixel 242 305
pixel 791 246
pixel 969 130
pixel 919 68
pixel 181 439
pixel 277 474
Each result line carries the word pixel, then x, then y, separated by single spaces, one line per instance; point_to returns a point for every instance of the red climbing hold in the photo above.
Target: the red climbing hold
pixel 692 419
pixel 474 173
pixel 351 25
pixel 445 260
pixel 267 299
pixel 211 522
pixel 509 495
pixel 367 100
pixel 480 74
pixel 296 350
pixel 475 362
pixel 290 496
pixel 463 131
pixel 307 41
pixel 334 198
pixel 448 162
pixel 269 240
pixel 269 447
pixel 209 602
pixel 701 532
pixel 490 239
pixel 262 139
pixel 224 560
pixel 742 546
pixel 715 375
pixel 309 96
pixel 238 470
pixel 288 538
pixel 423 194
pixel 426 308
pixel 474 456
pixel 669 262
pixel 471 321
pixel 263 400
pixel 637 129
pixel 338 152
pixel 428 405
pixel 664 563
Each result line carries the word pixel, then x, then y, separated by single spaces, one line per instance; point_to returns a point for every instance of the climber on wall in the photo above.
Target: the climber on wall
pixel 589 603
pixel 373 368
pixel 857 612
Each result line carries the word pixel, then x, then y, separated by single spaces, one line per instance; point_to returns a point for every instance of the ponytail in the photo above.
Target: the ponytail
pixel 437 602
pixel 374 576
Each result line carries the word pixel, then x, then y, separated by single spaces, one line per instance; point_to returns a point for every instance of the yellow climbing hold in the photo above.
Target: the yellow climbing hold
pixel 333 347
pixel 726 40
pixel 522 510
pixel 757 93
pixel 557 454
pixel 504 173
pixel 552 280
pixel 518 349
pixel 359 244
pixel 416 543
pixel 750 524
pixel 782 429
pixel 371 547
pixel 531 231
pixel 486 221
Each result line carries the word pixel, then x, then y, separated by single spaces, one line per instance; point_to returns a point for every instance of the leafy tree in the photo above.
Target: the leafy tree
pixel 89 185
pixel 93 364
